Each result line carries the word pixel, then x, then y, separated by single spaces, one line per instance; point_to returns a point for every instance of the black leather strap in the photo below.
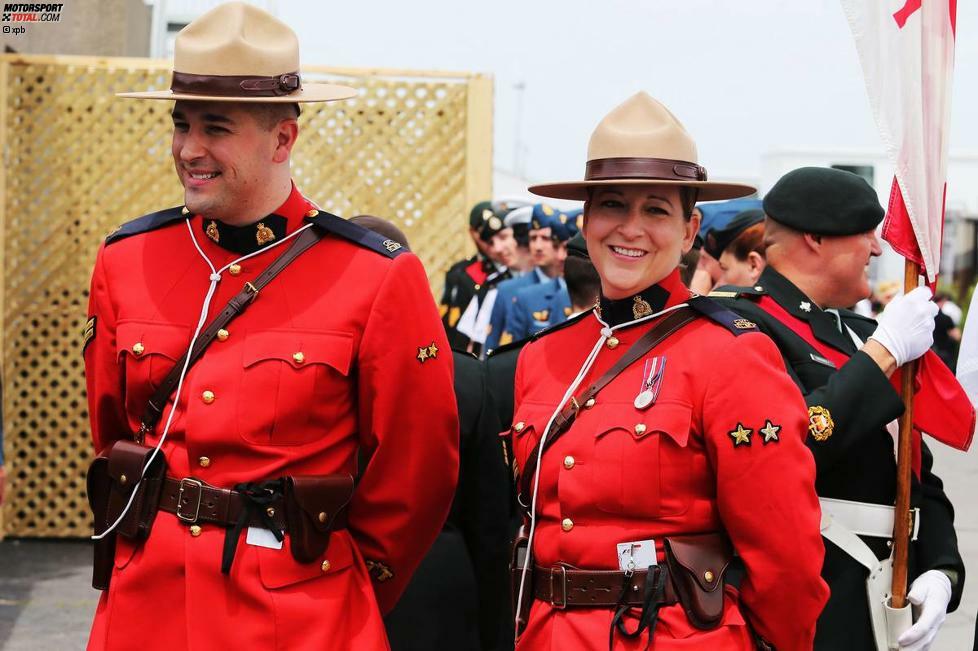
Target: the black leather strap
pixel 664 329
pixel 234 307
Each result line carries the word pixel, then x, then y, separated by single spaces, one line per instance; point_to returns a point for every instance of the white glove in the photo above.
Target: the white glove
pixel 930 594
pixel 906 327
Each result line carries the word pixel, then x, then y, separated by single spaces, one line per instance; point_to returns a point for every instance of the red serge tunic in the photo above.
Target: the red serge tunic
pixel 252 409
pixel 721 449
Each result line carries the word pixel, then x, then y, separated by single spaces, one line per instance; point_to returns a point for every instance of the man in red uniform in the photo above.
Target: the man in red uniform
pixel 342 352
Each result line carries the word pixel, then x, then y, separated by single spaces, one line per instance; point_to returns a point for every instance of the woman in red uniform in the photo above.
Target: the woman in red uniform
pixel 654 472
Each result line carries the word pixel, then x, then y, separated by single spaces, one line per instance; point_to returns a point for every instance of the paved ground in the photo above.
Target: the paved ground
pixel 46 599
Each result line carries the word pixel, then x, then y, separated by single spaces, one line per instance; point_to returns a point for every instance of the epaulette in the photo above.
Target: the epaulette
pixel 721 315
pixel 734 291
pixel 357 234
pixel 145 224
pixel 561 325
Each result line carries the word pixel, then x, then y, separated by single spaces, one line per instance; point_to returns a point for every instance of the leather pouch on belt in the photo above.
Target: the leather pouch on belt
pixel 98 486
pixel 126 460
pixel 697 565
pixel 314 506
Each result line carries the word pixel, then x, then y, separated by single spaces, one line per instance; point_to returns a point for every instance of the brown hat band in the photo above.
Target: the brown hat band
pixel 603 169
pixel 235 86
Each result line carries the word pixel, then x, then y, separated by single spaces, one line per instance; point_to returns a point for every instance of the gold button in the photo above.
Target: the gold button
pixel 589 403
pixel 326 566
pixel 567 524
pixel 270 511
pixel 322 516
pixel 298 358
pixel 123 480
pixel 137 349
pixel 568 462
pixel 612 342
pixel 708 576
pixel 519 426
pixel 234 269
pixel 207 397
pixel 204 462
pixel 222 335
pixel 640 429
pixel 195 530
pixel 477 287
pixel 312 213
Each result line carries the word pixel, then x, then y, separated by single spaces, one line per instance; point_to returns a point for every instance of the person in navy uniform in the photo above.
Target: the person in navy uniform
pixel 545 304
pixel 820 236
pixel 546 257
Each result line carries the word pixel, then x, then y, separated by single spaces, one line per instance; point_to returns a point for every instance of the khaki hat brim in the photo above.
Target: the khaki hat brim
pixel 308 93
pixel 577 190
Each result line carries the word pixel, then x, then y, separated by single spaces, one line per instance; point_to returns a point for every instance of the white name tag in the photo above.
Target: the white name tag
pixel 638 555
pixel 262 538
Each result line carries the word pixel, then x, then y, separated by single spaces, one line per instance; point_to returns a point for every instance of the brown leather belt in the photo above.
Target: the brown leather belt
pixel 193 501
pixel 564 587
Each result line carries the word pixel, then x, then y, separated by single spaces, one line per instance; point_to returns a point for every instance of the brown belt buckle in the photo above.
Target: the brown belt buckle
pixel 560 571
pixel 199 487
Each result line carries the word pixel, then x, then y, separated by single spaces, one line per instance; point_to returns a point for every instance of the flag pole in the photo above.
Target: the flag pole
pixel 901 514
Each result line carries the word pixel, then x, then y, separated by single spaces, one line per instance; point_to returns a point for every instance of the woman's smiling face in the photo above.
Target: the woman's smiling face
pixel 635 235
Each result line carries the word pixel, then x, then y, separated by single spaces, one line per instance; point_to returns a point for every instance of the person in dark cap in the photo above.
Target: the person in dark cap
pixel 464 278
pixel 739 248
pixel 820 236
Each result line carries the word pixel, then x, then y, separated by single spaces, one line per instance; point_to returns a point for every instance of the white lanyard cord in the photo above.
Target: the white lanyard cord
pixel 606 332
pixel 215 277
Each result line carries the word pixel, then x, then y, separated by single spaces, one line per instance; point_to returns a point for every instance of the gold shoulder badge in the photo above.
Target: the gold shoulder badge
pixel 505 338
pixel 547 210
pixel 770 432
pixel 89 333
pixel 744 324
pixel 391 245
pixel 820 423
pixel 495 223
pixel 264 234
pixel 741 435
pixel 427 352
pixel 541 315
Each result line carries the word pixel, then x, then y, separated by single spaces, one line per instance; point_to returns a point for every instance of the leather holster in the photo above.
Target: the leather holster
pixel 97 483
pixel 697 565
pixel 314 506
pixel 521 548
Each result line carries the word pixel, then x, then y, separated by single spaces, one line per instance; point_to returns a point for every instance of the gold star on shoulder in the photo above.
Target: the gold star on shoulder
pixel 770 432
pixel 422 354
pixel 432 351
pixel 741 435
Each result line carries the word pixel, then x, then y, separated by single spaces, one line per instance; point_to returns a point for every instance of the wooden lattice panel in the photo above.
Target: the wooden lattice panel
pixel 78 162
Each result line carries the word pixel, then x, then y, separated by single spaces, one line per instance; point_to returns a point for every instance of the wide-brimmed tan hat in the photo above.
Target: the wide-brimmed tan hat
pixel 239 53
pixel 641 143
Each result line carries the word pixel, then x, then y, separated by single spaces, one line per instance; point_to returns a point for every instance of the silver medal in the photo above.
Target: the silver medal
pixel 644 399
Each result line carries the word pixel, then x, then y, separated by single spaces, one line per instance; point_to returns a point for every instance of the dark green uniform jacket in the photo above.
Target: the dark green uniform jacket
pixel 856 461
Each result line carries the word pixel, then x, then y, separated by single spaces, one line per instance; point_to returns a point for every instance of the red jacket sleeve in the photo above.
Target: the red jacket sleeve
pixel 408 428
pixel 755 425
pixel 104 377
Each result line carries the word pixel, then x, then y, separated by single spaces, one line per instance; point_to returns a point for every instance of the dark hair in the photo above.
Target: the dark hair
pixel 383 227
pixel 269 115
pixel 750 239
pixel 583 282
pixel 687 199
pixel 687 265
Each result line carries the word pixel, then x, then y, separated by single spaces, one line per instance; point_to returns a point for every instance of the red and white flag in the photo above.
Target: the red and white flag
pixel 906 48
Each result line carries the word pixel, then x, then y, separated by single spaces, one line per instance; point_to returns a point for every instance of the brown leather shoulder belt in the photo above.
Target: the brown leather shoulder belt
pixel 566 587
pixel 193 501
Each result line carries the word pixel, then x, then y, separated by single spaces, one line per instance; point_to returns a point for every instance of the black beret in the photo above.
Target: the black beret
pixel 718 239
pixel 492 225
pixel 824 201
pixel 480 213
pixel 577 247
